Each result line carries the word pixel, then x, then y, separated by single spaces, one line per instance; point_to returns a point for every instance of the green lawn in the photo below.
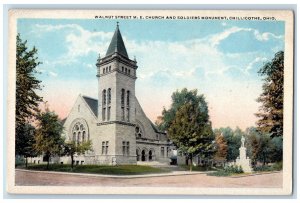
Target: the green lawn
pixel 99 169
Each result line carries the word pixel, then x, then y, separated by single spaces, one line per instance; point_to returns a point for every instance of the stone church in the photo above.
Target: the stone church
pixel 116 124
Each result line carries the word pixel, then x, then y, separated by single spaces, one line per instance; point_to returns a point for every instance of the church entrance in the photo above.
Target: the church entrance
pixel 137 155
pixel 143 155
pixel 150 155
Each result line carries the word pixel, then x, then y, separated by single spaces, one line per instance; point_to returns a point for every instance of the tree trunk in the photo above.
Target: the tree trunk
pixel 72 162
pixel 191 163
pixel 26 162
pixel 48 160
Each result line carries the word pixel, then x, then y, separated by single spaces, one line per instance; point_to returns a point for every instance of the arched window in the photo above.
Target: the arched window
pixel 122 97
pixel 83 136
pixel 106 69
pixel 129 71
pixel 126 70
pixel 104 97
pixel 79 132
pixel 122 69
pixel 103 70
pixel 109 68
pixel 122 104
pixel 128 96
pixel 108 113
pixel 127 104
pixel 109 96
pixel 138 132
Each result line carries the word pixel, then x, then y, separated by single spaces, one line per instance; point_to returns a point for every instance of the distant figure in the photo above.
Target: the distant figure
pixel 243 141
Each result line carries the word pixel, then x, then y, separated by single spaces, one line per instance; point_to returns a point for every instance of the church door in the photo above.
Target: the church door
pixel 150 155
pixel 143 156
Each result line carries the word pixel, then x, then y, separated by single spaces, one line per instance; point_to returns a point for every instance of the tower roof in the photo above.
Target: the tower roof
pixel 117 44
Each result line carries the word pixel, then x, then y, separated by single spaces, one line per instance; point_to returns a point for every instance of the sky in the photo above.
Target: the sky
pixel 218 58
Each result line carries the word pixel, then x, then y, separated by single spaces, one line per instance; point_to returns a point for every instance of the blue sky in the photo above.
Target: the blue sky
pixel 219 58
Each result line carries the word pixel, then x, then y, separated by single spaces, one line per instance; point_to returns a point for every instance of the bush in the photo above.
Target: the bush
pixel 228 170
pixel 20 161
pixel 277 166
pixel 274 167
pixel 262 168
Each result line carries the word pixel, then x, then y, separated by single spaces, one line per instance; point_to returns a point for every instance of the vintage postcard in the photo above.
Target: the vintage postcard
pixel 195 102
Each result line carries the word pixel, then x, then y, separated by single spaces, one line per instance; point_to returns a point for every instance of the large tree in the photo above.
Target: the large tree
pixel 179 98
pixel 48 140
pixel 190 130
pixel 271 111
pixel 27 84
pixel 71 148
pixel 27 100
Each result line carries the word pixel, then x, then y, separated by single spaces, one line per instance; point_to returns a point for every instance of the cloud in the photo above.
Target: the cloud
pixel 252 63
pixel 216 39
pixel 266 36
pixel 52 73
pixel 79 41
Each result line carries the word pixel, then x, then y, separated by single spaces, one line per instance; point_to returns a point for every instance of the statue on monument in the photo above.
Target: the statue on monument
pixel 243 160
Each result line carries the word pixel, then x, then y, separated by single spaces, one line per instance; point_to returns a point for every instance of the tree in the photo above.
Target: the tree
pixel 277 152
pixel 179 98
pixel 25 142
pixel 262 146
pixel 71 148
pixel 191 131
pixel 221 148
pixel 271 112
pixel 233 140
pixel 27 100
pixel 48 140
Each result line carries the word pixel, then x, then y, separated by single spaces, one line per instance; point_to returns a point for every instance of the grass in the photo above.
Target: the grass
pixel 99 169
pixel 196 168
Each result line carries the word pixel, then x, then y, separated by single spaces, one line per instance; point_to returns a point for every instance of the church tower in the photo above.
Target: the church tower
pixel 116 103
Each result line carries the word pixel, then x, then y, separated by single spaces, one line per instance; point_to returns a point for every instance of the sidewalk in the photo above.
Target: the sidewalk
pixel 172 173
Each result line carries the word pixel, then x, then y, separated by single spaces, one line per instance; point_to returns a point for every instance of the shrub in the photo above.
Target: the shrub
pixel 277 166
pixel 228 170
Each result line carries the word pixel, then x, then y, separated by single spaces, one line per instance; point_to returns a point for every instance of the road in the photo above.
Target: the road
pixel 28 178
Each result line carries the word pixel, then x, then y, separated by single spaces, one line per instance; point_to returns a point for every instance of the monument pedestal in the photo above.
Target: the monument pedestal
pixel 244 161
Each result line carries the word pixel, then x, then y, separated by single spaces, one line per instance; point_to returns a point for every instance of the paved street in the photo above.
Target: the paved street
pixel 27 178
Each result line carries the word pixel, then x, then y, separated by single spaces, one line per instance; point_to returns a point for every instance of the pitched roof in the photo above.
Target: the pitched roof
pixel 93 104
pixel 117 44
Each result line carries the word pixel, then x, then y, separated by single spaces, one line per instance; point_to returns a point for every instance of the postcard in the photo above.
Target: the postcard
pixel 168 102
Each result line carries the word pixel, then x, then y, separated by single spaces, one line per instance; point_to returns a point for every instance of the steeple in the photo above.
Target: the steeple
pixel 117 44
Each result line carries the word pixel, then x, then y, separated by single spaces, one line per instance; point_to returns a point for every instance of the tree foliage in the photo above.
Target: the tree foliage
pixel 262 147
pixel 271 111
pixel 71 148
pixel 233 140
pixel 25 141
pixel 27 100
pixel 179 98
pixel 190 130
pixel 221 148
pixel 48 140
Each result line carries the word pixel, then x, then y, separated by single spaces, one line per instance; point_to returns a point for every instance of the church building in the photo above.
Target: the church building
pixel 116 124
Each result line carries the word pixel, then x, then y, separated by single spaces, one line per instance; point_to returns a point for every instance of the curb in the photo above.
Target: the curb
pixel 114 176
pixel 253 174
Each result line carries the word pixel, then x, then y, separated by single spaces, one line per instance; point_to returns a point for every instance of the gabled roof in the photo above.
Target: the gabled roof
pixel 117 44
pixel 92 103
